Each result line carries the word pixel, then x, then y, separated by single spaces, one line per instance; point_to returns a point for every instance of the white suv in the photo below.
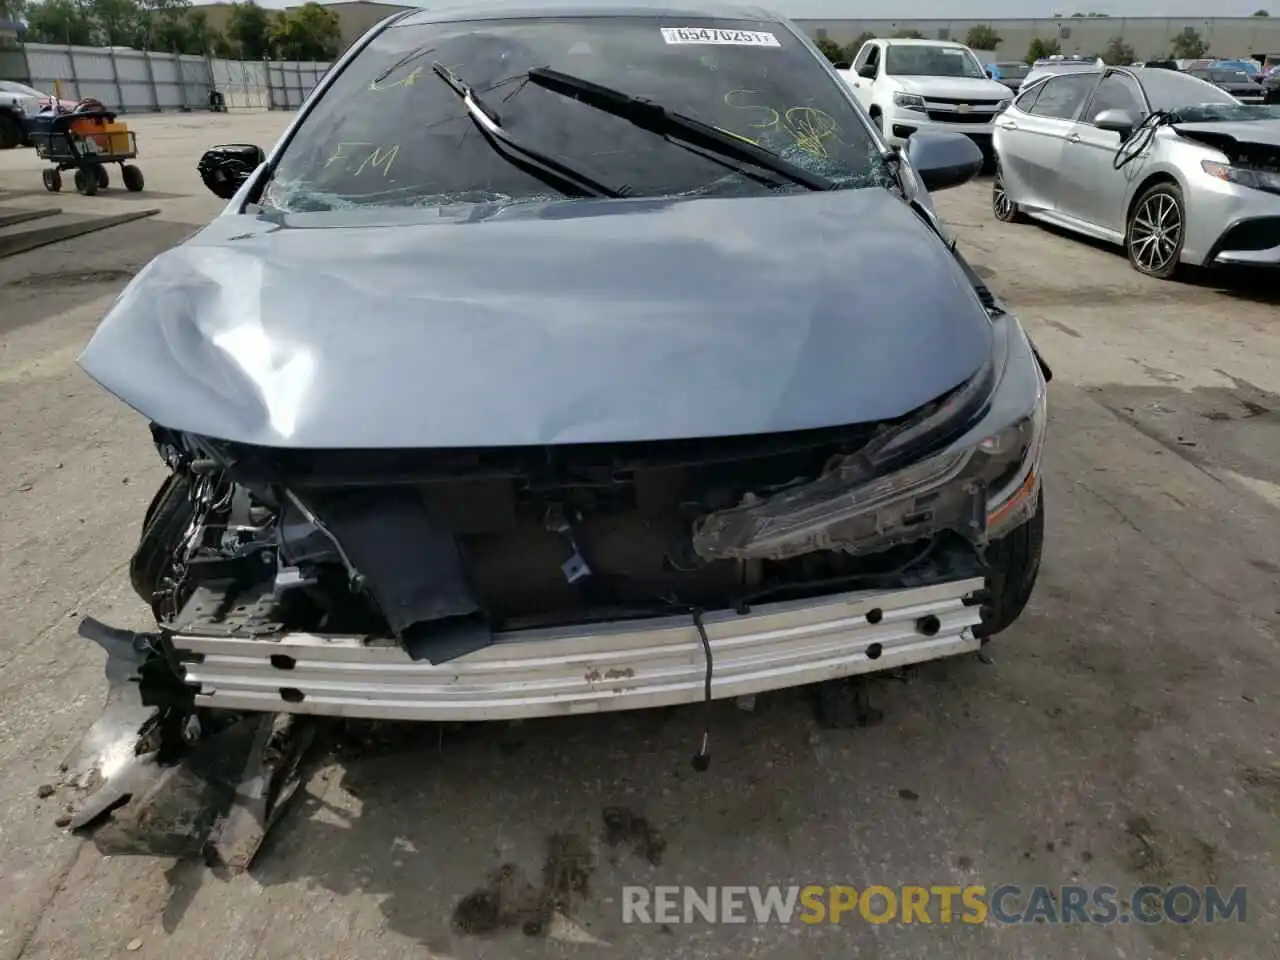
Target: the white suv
pixel 910 85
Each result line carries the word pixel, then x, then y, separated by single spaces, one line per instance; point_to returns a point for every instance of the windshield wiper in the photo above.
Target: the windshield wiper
pixel 546 167
pixel 657 119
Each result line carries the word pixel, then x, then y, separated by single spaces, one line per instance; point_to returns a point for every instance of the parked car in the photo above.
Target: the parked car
pixel 599 385
pixel 1058 64
pixel 24 109
pixel 1235 82
pixel 17 101
pixel 912 85
pixel 1009 72
pixel 1271 89
pixel 1172 167
pixel 1250 67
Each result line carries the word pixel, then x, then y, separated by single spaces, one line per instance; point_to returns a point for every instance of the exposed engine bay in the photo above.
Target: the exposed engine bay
pixel 438 549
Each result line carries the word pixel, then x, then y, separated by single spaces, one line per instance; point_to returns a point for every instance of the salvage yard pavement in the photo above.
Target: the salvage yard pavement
pixel 1123 734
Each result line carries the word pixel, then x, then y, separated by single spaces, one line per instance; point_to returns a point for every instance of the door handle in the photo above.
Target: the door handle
pixel 1007 125
pixel 1073 138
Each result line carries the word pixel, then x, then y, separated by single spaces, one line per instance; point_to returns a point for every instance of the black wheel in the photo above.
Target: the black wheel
pixel 132 177
pixel 86 181
pixel 104 180
pixel 1005 209
pixel 11 134
pixel 1014 562
pixel 878 120
pixel 52 179
pixel 163 527
pixel 1155 231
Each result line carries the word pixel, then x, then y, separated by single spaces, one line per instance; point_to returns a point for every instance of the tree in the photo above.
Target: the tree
pixel 248 29
pixel 1261 13
pixel 851 51
pixel 1189 45
pixel 830 49
pixel 1042 48
pixel 11 11
pixel 165 25
pixel 982 37
pixel 59 21
pixel 908 35
pixel 115 22
pixel 308 32
pixel 1118 52
pixel 220 46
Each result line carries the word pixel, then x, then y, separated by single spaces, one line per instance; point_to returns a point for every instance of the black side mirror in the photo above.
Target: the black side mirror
pixel 1117 121
pixel 943 160
pixel 225 168
pixel 867 71
pixel 843 65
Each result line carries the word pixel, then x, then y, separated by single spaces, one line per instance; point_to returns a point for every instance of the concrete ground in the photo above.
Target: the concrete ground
pixel 1126 732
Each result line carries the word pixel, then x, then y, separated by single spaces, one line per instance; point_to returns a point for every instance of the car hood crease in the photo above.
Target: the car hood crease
pixel 564 322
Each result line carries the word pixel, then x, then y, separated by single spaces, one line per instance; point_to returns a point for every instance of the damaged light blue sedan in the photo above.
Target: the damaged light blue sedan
pixel 562 359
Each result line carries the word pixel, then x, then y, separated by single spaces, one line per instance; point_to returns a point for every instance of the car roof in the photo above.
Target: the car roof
pixel 920 42
pixel 455 10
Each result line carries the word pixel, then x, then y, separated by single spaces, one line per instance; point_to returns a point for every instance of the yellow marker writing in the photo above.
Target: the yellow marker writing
pixel 737 99
pixel 379 159
pixel 408 80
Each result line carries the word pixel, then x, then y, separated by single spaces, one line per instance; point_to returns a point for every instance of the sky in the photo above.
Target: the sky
pixel 1191 10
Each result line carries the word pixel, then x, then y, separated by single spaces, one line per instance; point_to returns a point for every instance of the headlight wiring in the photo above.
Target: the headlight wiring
pixel 1141 137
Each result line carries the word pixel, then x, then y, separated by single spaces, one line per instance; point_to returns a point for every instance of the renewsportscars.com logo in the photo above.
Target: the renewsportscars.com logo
pixel 941 904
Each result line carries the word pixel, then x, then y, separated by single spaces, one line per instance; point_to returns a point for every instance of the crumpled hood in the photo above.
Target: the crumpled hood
pixel 566 322
pixel 1228 132
pixel 954 88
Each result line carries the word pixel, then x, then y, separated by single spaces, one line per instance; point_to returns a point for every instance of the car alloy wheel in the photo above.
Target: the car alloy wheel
pixel 1002 206
pixel 1154 239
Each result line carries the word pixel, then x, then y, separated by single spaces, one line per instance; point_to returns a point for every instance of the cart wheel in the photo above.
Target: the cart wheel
pixel 52 179
pixel 86 181
pixel 132 177
pixel 104 181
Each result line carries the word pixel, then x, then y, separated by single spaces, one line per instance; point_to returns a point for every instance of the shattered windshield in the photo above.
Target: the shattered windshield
pixel 389 132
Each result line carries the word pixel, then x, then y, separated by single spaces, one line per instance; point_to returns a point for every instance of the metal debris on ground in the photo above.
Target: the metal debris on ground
pixel 153 782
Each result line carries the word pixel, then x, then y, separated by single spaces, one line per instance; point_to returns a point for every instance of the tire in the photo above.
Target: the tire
pixel 163 526
pixel 1004 209
pixel 878 119
pixel 1014 562
pixel 52 179
pixel 11 133
pixel 86 181
pixel 104 180
pixel 132 177
pixel 1155 231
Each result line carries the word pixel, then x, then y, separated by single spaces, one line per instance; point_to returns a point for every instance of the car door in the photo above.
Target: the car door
pixel 1039 134
pixel 866 62
pixel 1092 189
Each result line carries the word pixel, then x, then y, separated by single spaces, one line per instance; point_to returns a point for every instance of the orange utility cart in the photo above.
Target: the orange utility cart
pixel 86 140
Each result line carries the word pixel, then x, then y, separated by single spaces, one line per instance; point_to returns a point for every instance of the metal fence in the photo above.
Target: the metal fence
pixel 135 81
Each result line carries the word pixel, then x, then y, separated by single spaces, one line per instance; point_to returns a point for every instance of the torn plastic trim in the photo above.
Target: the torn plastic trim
pixel 837 512
pixel 857 512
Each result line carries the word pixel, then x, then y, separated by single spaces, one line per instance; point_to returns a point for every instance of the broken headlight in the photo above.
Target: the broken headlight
pixel 982 485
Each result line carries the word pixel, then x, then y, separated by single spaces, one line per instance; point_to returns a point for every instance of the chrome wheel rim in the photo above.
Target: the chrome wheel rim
pixel 1156 232
pixel 1000 201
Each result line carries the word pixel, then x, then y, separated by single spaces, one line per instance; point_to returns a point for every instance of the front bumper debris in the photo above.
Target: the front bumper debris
pixel 202 741
pixel 620 665
pixel 149 780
